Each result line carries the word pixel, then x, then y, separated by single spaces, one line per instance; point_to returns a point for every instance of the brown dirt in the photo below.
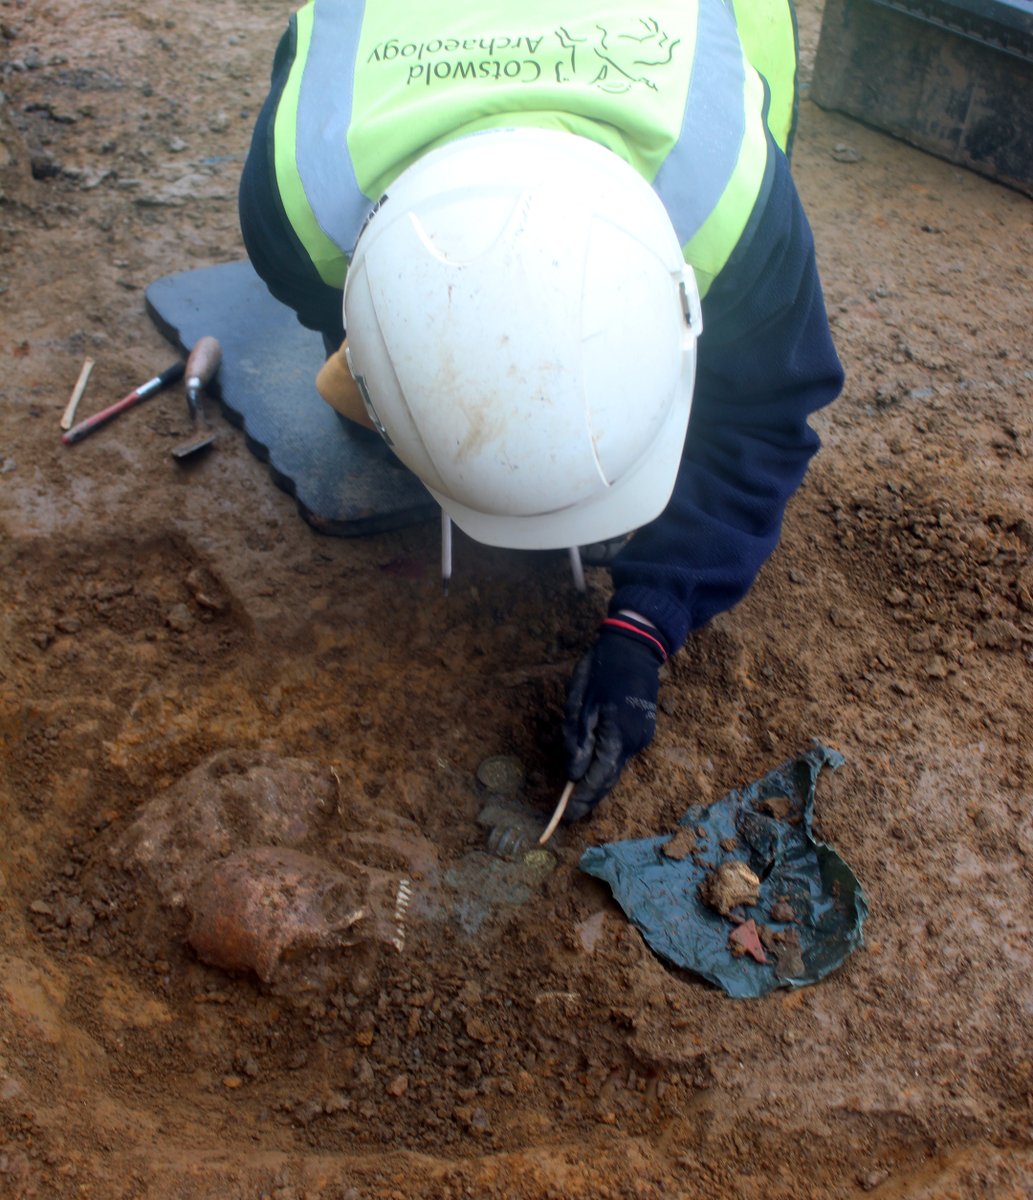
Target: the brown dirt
pixel 542 1050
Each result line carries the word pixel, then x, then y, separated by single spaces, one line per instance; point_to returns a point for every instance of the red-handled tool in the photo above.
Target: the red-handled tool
pixel 145 390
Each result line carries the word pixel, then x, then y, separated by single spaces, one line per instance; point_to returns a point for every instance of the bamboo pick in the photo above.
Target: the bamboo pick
pixel 557 816
pixel 80 386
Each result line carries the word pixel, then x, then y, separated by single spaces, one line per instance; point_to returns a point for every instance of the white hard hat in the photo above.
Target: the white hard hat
pixel 523 328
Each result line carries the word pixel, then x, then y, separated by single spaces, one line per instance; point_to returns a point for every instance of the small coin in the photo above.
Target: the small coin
pixel 540 864
pixel 502 774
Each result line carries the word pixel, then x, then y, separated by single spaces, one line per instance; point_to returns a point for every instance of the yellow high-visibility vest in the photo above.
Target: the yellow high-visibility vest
pixel 671 89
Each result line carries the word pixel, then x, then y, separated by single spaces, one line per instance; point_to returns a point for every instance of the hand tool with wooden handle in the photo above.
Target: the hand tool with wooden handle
pixel 78 432
pixel 201 367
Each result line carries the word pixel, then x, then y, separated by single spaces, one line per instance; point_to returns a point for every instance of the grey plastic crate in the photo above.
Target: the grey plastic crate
pixel 954 78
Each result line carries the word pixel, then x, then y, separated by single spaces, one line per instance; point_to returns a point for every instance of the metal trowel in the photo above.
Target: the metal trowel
pixel 201 367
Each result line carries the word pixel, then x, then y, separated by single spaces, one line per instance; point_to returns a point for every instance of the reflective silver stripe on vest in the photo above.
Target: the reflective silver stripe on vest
pixel 697 170
pixel 324 164
pixel 690 181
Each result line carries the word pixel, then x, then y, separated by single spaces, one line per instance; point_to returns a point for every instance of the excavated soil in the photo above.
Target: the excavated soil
pixel 523 1042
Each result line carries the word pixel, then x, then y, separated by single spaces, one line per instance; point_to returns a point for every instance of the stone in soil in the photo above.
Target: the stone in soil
pixel 680 846
pixel 729 886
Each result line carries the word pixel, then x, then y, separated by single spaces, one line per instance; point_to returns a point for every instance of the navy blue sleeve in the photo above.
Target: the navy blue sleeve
pixel 271 243
pixel 765 363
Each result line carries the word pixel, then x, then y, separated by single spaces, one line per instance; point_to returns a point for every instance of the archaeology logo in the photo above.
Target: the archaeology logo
pixel 612 60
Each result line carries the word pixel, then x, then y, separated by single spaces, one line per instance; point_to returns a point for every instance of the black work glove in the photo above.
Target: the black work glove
pixel 610 712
